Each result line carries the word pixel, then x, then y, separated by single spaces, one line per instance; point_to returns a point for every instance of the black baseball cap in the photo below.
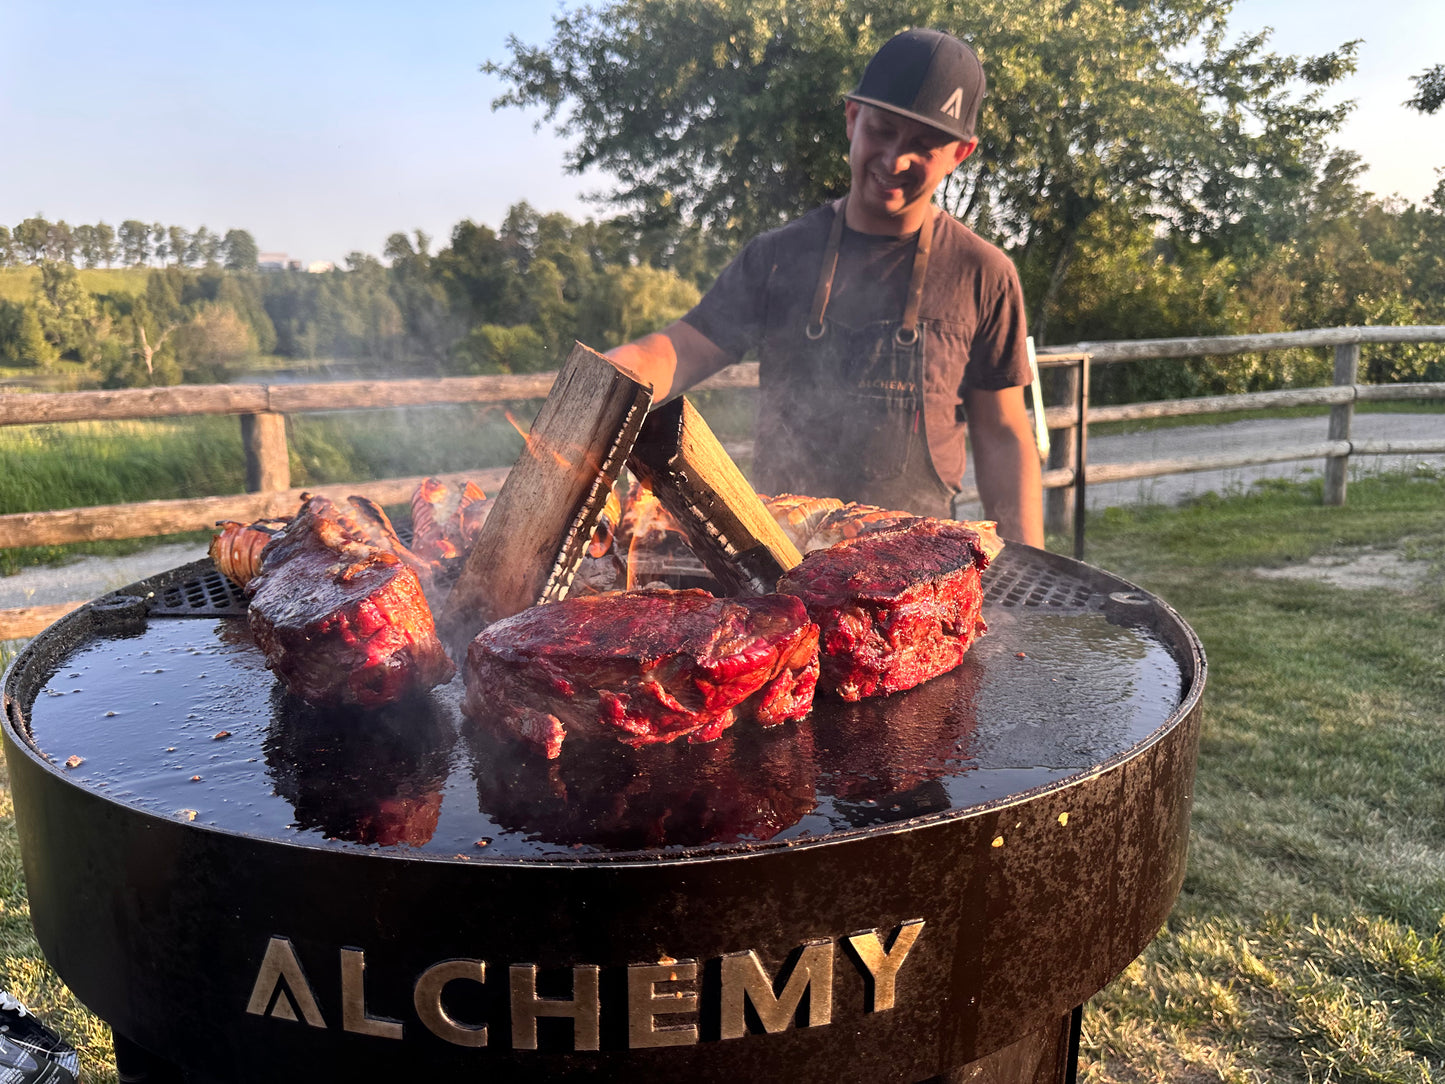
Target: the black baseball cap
pixel 927 76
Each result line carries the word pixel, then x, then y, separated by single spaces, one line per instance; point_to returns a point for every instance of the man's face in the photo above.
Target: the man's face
pixel 896 164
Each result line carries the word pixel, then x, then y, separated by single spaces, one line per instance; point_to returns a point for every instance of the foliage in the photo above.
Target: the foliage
pixel 1429 89
pixel 728 111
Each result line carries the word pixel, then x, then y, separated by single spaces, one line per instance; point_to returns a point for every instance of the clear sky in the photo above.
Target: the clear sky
pixel 322 127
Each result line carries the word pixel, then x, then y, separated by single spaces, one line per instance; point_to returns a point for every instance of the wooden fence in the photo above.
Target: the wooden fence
pixel 262 410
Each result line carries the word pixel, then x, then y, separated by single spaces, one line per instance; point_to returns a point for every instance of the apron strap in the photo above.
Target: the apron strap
pixel 814 330
pixel 907 331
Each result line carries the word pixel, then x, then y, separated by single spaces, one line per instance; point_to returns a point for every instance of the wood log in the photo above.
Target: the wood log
pixel 148 519
pixel 527 551
pixel 268 465
pixel 731 531
pixel 27 621
pixel 1099 473
pixel 1219 345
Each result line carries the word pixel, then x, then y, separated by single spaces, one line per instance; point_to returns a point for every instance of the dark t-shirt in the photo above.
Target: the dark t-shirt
pixel 971 313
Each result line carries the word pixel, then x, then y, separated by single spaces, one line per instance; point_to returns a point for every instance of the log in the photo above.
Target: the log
pixel 147 519
pixel 268 465
pixel 353 394
pixel 1153 468
pixel 128 403
pixel 1219 345
pixel 27 621
pixel 527 551
pixel 731 531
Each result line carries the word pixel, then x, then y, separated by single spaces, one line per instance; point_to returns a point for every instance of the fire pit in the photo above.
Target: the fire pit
pixel 919 887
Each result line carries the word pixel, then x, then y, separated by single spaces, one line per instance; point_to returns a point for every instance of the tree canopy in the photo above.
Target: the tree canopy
pixel 727 113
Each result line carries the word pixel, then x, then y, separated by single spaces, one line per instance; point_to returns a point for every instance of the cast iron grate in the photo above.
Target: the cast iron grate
pixel 208 594
pixel 1033 583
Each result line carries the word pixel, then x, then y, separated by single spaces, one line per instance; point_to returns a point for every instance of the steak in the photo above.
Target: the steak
pixel 342 620
pixel 643 667
pixel 895 606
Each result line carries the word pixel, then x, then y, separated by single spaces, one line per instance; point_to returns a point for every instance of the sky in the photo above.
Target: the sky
pixel 324 127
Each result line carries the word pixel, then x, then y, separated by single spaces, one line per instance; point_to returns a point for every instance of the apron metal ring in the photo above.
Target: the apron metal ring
pixel 818 334
pixel 906 336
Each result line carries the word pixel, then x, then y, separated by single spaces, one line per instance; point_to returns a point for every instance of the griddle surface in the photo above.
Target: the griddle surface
pixel 1050 692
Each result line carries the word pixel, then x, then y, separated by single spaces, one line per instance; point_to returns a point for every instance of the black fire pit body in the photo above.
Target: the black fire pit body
pixel 917 887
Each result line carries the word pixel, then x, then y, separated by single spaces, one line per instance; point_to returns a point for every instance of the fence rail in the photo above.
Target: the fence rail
pixel 262 410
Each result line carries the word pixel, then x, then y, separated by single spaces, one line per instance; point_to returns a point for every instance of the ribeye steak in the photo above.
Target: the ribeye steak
pixel 895 607
pixel 643 667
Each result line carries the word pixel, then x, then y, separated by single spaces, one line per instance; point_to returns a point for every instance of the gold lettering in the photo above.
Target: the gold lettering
pixel 428 1000
pixel 277 966
pixel 354 1017
pixel 744 980
pixel 583 1007
pixel 645 1004
pixel 883 965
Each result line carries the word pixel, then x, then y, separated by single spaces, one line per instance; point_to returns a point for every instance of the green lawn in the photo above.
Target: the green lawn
pixel 1307 943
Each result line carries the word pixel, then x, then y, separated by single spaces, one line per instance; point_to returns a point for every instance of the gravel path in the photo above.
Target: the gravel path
pixel 1240 437
pixel 87 577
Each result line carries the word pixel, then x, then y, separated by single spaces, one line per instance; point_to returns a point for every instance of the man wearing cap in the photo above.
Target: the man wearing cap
pixel 880 323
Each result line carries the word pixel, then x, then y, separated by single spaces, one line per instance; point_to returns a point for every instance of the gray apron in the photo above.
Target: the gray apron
pixel 842 407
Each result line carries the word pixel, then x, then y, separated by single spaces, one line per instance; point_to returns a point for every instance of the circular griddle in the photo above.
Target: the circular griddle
pixel 254 889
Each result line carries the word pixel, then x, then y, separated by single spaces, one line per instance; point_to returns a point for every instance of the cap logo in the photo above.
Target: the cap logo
pixel 954 106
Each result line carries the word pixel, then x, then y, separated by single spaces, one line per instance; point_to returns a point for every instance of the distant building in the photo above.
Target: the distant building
pixel 320 267
pixel 271 261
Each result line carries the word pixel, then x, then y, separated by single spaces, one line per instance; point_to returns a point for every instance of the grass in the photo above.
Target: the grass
pixel 1307 942
pixel 21 283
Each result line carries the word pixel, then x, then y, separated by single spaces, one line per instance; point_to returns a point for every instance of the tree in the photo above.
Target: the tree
pixel 7 247
pixel 31 238
pixel 729 112
pixel 213 341
pixel 160 243
pixel 1429 90
pixel 204 248
pixel 179 242
pixel 241 253
pixel 135 242
pixel 105 243
pixel 60 243
pixel 68 315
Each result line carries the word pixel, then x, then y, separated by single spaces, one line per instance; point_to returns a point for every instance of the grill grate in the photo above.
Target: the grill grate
pixel 207 594
pixel 1033 583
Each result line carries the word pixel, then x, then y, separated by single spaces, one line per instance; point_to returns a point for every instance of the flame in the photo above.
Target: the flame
pixel 534 444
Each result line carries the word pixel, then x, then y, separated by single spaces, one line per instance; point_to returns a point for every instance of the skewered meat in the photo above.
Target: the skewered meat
pixel 643 667
pixel 444 522
pixel 895 607
pixel 340 615
pixel 236 550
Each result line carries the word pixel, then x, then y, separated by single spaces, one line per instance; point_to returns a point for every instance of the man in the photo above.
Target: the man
pixel 880 323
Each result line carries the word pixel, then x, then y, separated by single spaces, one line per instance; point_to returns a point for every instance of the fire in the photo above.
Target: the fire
pixel 534 445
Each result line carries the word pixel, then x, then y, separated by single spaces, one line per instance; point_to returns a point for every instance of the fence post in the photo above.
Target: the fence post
pixel 1063 453
pixel 1347 366
pixel 268 468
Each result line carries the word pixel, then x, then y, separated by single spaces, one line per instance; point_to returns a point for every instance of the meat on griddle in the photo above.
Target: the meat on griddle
pixel 338 612
pixel 895 607
pixel 643 667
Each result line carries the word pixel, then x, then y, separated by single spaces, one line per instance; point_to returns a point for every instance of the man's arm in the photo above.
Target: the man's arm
pixel 1006 462
pixel 671 360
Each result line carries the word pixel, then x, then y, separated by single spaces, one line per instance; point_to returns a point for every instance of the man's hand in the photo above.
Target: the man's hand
pixel 1006 463
pixel 671 360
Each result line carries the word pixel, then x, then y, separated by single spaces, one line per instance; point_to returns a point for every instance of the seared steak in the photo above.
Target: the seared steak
pixel 895 606
pixel 340 619
pixel 643 667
